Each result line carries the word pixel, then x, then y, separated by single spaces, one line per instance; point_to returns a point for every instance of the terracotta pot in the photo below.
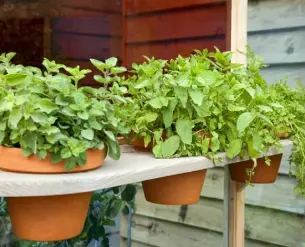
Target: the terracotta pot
pixel 12 159
pixel 263 174
pixel 48 218
pixel 182 189
pixel 122 140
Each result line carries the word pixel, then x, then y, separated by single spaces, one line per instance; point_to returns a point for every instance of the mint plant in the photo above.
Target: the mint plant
pixel 45 111
pixel 200 105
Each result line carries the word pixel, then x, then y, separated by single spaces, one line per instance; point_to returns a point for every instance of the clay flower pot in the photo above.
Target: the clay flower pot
pixel 263 174
pixel 181 189
pixel 47 218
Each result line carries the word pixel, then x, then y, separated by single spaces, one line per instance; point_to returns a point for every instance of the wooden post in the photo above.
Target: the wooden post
pixel 234 195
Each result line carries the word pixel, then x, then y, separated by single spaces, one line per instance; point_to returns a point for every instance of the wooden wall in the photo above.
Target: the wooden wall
pixel 164 29
pixel 274 215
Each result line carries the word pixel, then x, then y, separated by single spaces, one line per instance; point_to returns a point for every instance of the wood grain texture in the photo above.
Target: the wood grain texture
pixel 70 46
pixel 278 195
pixel 147 6
pixel 261 224
pixel 170 49
pixel 128 169
pixel 279 14
pixel 105 24
pixel 279 47
pixel 105 6
pixel 207 21
pixel 295 72
pixel 234 192
pixel 163 233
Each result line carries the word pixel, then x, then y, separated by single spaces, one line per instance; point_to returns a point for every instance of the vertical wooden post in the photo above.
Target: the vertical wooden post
pixel 234 195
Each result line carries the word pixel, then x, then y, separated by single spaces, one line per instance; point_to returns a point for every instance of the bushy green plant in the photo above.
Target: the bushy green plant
pixel 45 111
pixel 203 104
pixel 105 206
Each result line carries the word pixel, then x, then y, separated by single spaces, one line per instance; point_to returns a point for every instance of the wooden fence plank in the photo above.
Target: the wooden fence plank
pixel 270 14
pixel 296 72
pixel 265 225
pixel 146 6
pixel 168 50
pixel 70 46
pixel 105 24
pixel 207 21
pixel 134 244
pixel 279 47
pixel 167 234
pixel 105 6
pixel 277 196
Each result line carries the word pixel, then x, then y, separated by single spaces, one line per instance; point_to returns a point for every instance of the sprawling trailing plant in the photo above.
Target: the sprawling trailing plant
pixel 45 111
pixel 104 208
pixel 200 105
pixel 290 121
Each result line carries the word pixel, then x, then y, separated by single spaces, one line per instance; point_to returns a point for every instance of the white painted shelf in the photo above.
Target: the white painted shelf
pixel 132 167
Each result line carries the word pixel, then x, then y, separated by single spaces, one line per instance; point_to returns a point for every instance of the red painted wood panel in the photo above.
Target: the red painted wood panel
pixel 168 50
pixel 25 37
pixel 186 23
pixel 106 6
pixel 105 24
pixel 145 6
pixel 70 46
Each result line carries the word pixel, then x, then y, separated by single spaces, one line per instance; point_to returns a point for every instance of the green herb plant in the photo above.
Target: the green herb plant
pixel 46 111
pixel 200 105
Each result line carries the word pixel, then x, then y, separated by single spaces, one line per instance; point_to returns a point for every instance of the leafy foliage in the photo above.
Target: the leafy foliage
pixel 202 104
pixel 104 207
pixel 44 111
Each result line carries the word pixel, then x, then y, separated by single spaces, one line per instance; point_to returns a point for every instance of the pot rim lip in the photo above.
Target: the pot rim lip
pixel 20 149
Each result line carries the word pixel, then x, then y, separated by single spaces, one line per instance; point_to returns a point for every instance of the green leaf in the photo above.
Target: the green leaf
pixel 15 79
pixel 39 117
pixel 196 96
pixel 110 135
pixel 184 130
pixel 105 242
pixel 143 84
pixel 46 105
pixel 157 150
pixel 70 164
pixel 114 149
pixel 118 70
pixel 2 125
pixel 27 152
pixel 232 107
pixel 31 141
pixel 207 77
pixel 168 113
pixel 265 108
pixel 251 91
pixel 155 103
pixel 129 193
pixel 205 145
pixel 98 64
pixel 42 154
pixel 277 105
pixel 147 140
pixel 182 95
pixel 170 146
pixel 2 136
pixel 150 117
pixel 60 100
pixel 88 134
pixel 257 142
pixel 215 144
pixel 15 117
pixel 83 115
pixel 234 148
pixel 112 61
pixel 65 153
pixel 244 121
pixel 55 158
